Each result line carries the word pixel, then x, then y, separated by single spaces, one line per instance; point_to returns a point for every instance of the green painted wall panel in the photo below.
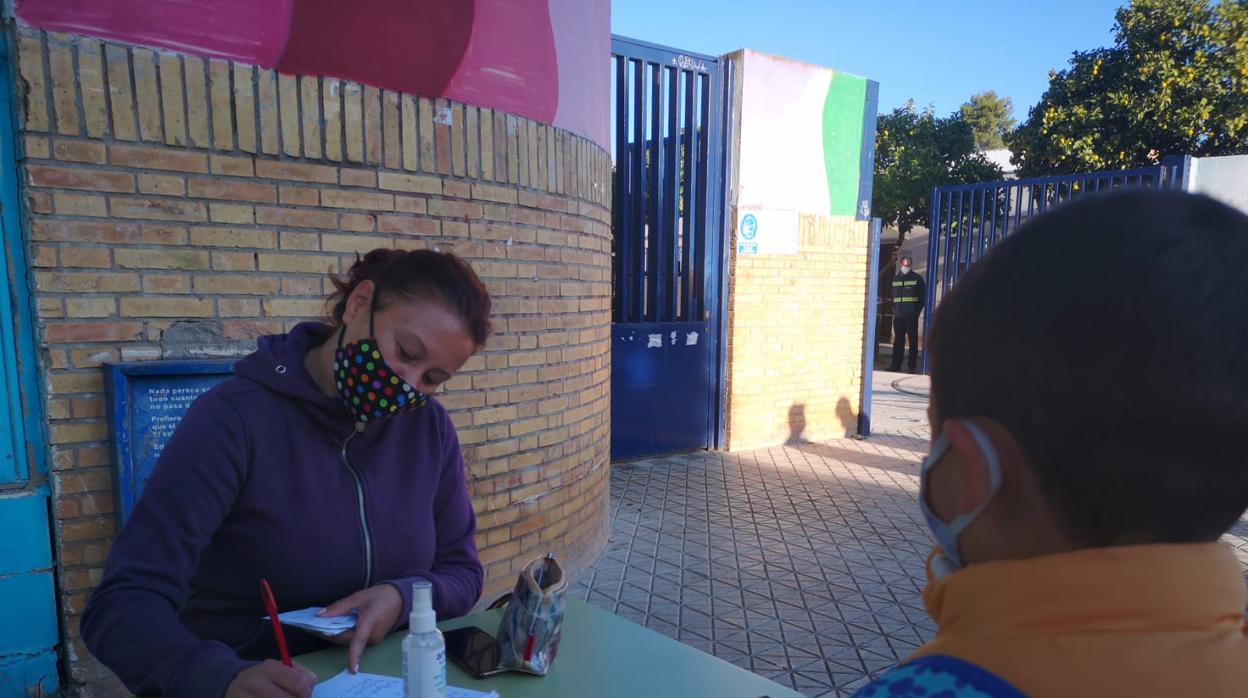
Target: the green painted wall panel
pixel 842 140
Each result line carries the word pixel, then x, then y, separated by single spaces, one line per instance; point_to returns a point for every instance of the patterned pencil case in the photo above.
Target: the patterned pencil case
pixel 528 636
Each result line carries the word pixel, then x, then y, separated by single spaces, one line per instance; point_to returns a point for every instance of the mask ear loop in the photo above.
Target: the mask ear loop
pixel 372 309
pixel 992 462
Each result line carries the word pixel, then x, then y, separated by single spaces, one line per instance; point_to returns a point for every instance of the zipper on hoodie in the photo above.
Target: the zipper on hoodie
pixel 359 498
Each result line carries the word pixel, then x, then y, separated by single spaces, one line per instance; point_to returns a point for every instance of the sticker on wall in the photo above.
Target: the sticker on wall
pixel 748 229
pixel 767 231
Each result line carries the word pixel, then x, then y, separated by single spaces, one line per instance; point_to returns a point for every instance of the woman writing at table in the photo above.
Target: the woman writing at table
pixel 324 468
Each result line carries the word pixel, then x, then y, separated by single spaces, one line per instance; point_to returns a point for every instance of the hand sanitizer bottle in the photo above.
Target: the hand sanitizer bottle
pixel 424 650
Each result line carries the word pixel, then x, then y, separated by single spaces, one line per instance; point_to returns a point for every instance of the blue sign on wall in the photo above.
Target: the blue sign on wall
pixel 146 400
pixel 749 226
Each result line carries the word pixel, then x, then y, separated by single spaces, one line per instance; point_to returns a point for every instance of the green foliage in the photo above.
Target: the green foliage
pixel 1174 82
pixel 990 119
pixel 916 151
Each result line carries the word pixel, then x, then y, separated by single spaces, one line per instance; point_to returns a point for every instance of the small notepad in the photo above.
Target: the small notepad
pixel 307 619
pixel 348 685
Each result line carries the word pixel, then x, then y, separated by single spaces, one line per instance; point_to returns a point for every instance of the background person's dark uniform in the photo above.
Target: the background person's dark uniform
pixel 909 292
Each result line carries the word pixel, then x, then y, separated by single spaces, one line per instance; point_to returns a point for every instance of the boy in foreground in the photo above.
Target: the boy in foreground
pixel 1090 420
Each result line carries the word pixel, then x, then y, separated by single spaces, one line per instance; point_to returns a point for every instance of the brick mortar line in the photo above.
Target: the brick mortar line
pixel 586 362
pixel 293 252
pixel 102 168
pixel 311 207
pixel 301 275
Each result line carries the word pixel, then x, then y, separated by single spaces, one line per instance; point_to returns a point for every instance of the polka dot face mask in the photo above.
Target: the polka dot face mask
pixel 368 387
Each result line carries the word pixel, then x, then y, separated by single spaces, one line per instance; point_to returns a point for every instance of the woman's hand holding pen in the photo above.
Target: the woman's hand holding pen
pixel 379 608
pixel 272 679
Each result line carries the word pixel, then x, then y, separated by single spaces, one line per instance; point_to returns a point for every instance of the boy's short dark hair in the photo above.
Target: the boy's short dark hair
pixel 1111 340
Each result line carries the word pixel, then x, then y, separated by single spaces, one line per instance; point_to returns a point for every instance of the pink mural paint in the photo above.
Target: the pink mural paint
pixel 582 31
pixel 251 31
pixel 409 45
pixel 542 59
pixel 510 63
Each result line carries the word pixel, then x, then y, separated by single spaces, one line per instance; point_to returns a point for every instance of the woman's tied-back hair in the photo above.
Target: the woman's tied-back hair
pixel 424 274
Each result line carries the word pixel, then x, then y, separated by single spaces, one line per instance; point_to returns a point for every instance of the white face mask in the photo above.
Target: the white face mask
pixel 946 533
pixel 905 269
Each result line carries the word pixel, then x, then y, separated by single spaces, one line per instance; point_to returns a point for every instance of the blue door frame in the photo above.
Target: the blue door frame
pixel 667 351
pixel 29 629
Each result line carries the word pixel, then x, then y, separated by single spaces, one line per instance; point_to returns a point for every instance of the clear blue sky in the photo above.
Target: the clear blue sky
pixel 937 52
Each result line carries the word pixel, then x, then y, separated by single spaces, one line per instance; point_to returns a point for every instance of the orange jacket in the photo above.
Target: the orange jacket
pixel 1139 621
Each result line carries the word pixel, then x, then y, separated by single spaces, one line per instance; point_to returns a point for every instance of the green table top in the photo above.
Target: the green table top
pixel 600 655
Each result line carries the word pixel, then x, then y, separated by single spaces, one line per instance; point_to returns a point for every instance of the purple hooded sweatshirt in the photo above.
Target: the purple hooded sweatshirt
pixel 267 478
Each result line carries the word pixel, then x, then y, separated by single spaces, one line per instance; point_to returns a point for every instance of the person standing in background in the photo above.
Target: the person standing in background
pixel 909 292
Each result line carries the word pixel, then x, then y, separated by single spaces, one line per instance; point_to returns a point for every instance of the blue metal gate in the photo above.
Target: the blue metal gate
pixel 667 349
pixel 968 219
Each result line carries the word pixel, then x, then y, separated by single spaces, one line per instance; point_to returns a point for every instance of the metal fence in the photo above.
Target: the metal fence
pixel 669 157
pixel 968 219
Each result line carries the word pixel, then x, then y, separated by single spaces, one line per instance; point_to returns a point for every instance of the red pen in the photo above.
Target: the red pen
pixel 270 605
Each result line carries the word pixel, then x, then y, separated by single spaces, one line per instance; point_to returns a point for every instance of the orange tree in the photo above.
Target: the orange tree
pixel 1174 82
pixel 916 151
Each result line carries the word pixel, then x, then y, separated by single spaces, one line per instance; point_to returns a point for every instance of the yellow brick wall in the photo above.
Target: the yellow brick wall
pixel 795 337
pixel 167 195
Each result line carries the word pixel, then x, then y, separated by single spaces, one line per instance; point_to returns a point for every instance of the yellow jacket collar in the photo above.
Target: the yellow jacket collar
pixel 1195 586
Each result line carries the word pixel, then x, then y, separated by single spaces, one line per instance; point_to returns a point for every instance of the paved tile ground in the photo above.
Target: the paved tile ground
pixel 899 405
pixel 801 563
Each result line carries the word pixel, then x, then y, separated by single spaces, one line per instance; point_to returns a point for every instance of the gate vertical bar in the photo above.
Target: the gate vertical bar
pixel 718 172
pixel 966 233
pixel 671 198
pixel 654 166
pixel 625 264
pixel 690 249
pixel 868 339
pixel 946 233
pixel 979 227
pixel 996 204
pixel 638 193
pixel 968 256
pixel 933 268
pixel 953 260
pixel 703 209
pixel 1017 207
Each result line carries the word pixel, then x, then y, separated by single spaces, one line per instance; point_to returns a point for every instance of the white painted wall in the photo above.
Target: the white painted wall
pixel 1224 178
